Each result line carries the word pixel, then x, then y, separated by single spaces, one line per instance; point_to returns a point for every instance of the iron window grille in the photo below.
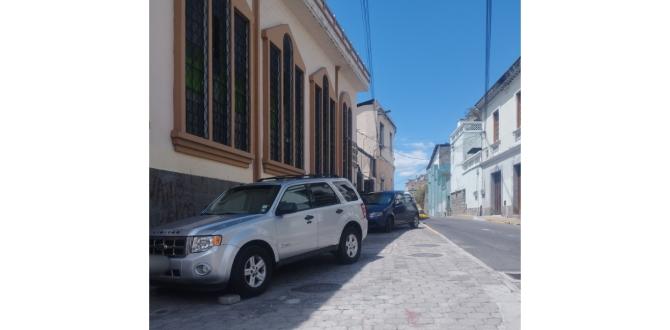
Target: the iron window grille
pixel 196 67
pixel 288 65
pixel 317 129
pixel 326 127
pixel 299 118
pixel 241 82
pixel 275 58
pixel 221 72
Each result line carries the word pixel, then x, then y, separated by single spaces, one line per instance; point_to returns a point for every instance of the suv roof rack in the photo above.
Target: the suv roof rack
pixel 290 177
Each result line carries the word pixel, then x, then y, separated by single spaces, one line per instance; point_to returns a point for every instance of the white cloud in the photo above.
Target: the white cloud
pixel 411 159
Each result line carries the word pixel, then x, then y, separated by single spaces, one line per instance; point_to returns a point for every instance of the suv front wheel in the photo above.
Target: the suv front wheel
pixel 415 222
pixel 252 271
pixel 349 249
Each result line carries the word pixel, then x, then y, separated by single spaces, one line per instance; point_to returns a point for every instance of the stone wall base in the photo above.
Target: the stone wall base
pixel 174 196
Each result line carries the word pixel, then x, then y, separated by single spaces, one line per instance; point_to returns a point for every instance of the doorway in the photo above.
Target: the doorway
pixel 496 193
pixel 517 189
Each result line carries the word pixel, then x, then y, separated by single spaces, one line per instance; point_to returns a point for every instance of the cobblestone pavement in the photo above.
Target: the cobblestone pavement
pixel 404 279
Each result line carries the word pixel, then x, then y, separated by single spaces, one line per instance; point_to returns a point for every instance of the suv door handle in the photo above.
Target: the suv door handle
pixel 339 211
pixel 308 218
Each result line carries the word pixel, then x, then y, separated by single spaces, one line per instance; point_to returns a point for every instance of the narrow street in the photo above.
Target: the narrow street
pixel 497 245
pixel 404 279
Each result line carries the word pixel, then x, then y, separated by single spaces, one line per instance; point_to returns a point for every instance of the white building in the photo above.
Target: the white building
pixel 486 152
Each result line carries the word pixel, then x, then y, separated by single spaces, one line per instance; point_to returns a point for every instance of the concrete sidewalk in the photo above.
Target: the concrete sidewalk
pixel 489 218
pixel 404 279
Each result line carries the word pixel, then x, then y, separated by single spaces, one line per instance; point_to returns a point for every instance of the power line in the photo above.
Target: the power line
pixel 410 157
pixel 487 46
pixel 365 13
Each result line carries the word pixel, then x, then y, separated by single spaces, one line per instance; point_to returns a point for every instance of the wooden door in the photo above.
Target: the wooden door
pixel 496 193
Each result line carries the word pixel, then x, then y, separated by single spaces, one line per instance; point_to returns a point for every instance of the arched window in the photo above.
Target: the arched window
pixel 283 103
pixel 347 134
pixel 288 98
pixel 325 142
pixel 212 99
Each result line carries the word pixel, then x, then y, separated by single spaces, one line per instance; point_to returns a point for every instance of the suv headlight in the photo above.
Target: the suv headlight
pixel 375 214
pixel 204 243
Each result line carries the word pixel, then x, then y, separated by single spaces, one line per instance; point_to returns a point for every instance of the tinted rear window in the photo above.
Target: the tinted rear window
pixel 381 198
pixel 347 191
pixel 323 195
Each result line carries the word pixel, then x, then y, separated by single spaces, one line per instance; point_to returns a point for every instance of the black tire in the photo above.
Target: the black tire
pixel 344 253
pixel 239 282
pixel 415 222
pixel 388 226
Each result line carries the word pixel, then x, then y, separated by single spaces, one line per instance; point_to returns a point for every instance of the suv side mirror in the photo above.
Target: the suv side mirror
pixel 285 208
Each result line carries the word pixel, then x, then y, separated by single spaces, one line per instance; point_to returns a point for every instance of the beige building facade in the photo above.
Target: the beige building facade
pixel 375 133
pixel 246 89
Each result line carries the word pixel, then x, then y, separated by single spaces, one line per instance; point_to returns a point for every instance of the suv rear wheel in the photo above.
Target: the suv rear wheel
pixel 252 271
pixel 350 246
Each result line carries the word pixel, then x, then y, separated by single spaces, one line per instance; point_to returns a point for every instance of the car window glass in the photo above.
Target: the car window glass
pixel 347 191
pixel 244 199
pixel 323 195
pixel 298 195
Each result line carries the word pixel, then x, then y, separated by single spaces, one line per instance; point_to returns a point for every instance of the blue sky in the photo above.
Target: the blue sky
pixel 428 58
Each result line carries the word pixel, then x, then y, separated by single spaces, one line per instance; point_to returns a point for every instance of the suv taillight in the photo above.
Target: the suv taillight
pixel 364 210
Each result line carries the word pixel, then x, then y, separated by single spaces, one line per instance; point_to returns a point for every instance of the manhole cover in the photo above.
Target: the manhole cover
pixel 516 276
pixel 160 312
pixel 426 245
pixel 318 287
pixel 426 255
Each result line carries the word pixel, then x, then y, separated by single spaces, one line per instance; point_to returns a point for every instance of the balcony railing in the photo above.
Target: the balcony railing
pixel 472 161
pixel 467 126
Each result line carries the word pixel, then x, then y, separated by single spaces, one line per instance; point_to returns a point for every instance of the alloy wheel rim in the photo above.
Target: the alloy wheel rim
pixel 351 245
pixel 255 271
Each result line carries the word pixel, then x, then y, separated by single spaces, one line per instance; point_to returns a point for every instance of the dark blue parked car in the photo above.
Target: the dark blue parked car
pixel 389 208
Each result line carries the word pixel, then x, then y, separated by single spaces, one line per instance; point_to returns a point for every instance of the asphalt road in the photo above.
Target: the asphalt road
pixel 497 245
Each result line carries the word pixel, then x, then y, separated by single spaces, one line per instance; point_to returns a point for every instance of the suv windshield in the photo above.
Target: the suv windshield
pixel 382 198
pixel 244 200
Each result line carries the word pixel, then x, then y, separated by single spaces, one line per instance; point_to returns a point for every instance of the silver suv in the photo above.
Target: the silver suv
pixel 245 233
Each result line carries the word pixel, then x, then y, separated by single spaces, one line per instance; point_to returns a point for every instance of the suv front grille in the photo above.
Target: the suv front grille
pixel 168 246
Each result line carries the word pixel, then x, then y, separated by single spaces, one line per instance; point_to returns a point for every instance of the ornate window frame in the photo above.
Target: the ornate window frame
pixel 345 151
pixel 316 80
pixel 197 146
pixel 275 36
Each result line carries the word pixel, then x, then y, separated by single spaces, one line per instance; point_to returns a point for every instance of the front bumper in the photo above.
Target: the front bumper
pixel 175 270
pixel 376 222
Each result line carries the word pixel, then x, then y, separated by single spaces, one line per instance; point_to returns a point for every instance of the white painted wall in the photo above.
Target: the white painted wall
pixel 508 153
pixel 478 179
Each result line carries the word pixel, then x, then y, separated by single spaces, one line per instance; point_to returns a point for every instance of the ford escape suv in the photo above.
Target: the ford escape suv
pixel 249 230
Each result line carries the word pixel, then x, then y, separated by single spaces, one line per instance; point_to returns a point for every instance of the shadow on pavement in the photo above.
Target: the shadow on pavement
pixel 296 291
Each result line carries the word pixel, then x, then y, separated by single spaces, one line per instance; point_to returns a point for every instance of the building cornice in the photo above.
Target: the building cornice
pixel 512 72
pixel 319 9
